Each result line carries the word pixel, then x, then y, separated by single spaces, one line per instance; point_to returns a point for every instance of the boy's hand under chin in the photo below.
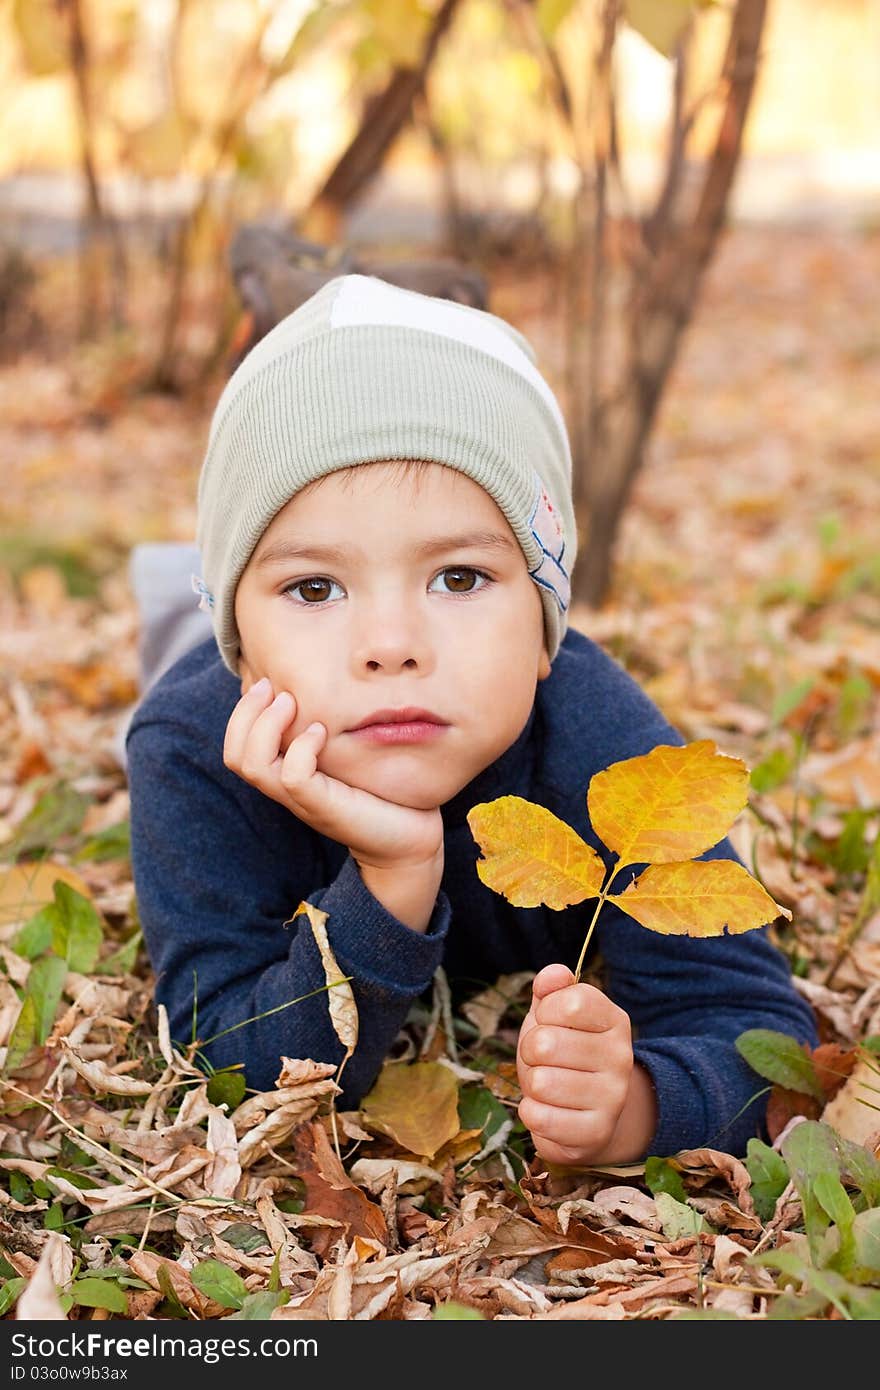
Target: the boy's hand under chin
pixel 380 834
pixel 584 1100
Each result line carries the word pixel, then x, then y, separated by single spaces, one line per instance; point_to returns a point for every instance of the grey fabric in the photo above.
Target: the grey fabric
pixel 170 622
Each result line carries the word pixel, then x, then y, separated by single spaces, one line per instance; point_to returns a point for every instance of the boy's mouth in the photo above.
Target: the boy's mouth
pixel 407 725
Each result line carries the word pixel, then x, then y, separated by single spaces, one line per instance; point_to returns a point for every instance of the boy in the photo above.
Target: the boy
pixel 387 533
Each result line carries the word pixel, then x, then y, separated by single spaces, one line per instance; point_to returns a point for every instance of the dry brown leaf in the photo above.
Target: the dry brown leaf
pixel 222 1177
pixel 102 1078
pixel 486 1008
pixel 39 1301
pixel 343 1009
pixel 330 1193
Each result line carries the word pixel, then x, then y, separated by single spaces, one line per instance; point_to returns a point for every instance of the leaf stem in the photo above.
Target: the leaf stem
pixel 602 896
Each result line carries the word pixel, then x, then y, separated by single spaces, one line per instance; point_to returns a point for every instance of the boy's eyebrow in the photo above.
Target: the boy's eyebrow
pixel 334 554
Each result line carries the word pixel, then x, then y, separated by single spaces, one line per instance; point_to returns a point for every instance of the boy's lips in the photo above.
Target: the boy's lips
pixel 408 725
pixel 408 714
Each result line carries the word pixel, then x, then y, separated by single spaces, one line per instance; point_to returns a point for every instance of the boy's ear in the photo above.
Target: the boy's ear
pixel 543 662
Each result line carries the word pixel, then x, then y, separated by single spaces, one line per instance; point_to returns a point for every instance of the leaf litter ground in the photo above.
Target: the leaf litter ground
pixel 746 602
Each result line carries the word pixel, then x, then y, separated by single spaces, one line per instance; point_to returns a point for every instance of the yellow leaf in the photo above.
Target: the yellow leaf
pixel 659 21
pixel 667 805
pixel 343 1009
pixel 25 888
pixel 531 856
pixel 698 898
pixel 42 35
pixel 416 1104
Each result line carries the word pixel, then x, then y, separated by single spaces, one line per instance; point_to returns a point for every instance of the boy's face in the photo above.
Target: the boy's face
pixel 387 624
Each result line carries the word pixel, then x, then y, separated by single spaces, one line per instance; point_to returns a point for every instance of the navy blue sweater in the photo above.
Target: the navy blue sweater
pixel 219 869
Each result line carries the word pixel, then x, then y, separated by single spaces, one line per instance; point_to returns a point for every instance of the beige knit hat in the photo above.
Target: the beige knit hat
pixel 364 371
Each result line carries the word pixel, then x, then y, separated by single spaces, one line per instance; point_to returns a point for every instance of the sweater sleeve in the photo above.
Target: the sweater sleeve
pixel 215 894
pixel 689 998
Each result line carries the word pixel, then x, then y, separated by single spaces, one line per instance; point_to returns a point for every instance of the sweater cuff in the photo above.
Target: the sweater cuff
pixel 377 948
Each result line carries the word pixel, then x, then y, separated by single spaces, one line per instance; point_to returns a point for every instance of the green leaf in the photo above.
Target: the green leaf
pixel 99 1293
pixel 866 1239
pixel 771 772
pixel 810 1150
pixel 864 1305
pixel 789 699
pixel 791 1307
pixel 860 1165
pixel 59 812
pixel 831 1195
pixel 79 928
pixel 163 1278
pixel 20 1189
pixel 35 936
pixel 781 1059
pixel 258 1307
pixel 456 1312
pixel 121 962
pixel 80 1180
pixel 53 1220
pixel 661 1176
pixel 23 1036
pixel 9 1293
pixel 112 843
pixel 679 1219
pixel 218 1281
pixel 227 1088
pixel 44 985
pixel 769 1174
pixel 242 1236
pixel 478 1108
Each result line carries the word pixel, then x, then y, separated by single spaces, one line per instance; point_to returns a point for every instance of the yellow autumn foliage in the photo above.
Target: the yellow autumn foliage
pixel 662 810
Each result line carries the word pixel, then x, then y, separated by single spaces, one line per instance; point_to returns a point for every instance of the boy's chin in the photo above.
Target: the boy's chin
pixel 418 789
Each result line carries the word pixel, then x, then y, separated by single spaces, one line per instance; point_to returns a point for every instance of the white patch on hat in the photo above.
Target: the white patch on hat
pixel 364 299
pixel 546 527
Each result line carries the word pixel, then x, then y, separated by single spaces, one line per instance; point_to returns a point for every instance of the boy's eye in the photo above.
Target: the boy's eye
pixel 460 579
pixel 316 590
pixel 313 590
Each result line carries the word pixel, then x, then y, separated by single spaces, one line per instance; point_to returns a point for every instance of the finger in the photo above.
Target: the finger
pixel 579 1006
pixel 581 1130
pixel 569 1088
pixel 576 1048
pixel 263 745
pixel 551 978
pixel 241 721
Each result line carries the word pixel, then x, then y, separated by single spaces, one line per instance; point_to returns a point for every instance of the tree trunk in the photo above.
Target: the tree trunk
pixel 384 116
pixel 100 227
pixel 660 311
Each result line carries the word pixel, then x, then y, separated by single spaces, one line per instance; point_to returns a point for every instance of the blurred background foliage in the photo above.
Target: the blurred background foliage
pixel 600 138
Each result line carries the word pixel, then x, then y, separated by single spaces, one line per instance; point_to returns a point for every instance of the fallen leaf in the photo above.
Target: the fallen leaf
pixel 416 1104
pixel 343 1009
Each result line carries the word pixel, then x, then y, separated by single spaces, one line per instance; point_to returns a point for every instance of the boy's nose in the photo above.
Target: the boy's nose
pixel 395 644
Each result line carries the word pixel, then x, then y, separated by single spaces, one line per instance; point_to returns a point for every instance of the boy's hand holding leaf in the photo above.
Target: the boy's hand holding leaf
pixel 659 810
